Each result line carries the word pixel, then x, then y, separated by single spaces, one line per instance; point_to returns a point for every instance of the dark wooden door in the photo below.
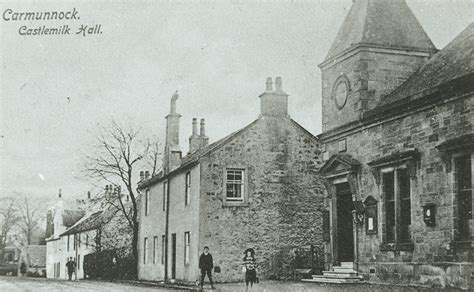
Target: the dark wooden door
pixel 345 235
pixel 173 256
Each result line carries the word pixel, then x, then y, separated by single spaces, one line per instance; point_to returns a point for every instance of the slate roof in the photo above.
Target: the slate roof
pixel 92 221
pixel 70 217
pixel 384 23
pixel 453 62
pixel 194 157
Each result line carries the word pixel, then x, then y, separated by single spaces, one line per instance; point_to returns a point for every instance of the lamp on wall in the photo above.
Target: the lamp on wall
pixel 429 211
pixel 358 212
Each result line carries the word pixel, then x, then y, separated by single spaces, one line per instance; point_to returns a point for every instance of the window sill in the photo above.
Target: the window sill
pixel 406 246
pixel 235 204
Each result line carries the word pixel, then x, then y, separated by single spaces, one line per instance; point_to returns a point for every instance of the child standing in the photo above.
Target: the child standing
pixel 206 264
pixel 249 265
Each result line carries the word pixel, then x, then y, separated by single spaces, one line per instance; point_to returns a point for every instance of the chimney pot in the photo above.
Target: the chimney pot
pixel 278 84
pixel 269 84
pixel 203 128
pixel 106 188
pixel 59 195
pixel 195 127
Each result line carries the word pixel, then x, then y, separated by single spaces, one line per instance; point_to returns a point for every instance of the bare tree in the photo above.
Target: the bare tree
pixel 118 154
pixel 153 158
pixel 30 215
pixel 9 218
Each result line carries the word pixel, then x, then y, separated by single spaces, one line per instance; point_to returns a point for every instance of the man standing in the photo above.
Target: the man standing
pixel 206 264
pixel 70 265
pixel 23 269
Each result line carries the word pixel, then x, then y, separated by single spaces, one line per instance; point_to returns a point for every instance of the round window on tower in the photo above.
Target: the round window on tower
pixel 341 91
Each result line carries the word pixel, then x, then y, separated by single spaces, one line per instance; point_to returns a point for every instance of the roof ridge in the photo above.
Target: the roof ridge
pixel 380 22
pixel 439 69
pixel 193 157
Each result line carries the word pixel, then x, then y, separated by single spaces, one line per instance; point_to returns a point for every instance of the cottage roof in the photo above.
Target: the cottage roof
pixel 380 23
pixel 70 217
pixel 193 158
pixel 453 62
pixel 92 221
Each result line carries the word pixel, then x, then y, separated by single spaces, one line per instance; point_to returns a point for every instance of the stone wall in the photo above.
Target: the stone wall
pixel 285 197
pixel 371 74
pixel 434 259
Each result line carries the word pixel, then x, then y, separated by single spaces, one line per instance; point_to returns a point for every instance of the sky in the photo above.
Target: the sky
pixel 56 90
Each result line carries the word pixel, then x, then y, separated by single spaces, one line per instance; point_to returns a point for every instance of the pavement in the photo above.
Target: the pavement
pixel 41 284
pixel 9 283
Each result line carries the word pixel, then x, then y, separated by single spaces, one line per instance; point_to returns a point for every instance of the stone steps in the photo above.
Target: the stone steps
pixel 349 265
pixel 334 274
pixel 325 279
pixel 343 274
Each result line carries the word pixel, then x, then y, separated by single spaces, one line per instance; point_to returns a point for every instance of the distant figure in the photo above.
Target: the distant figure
pixel 71 266
pixel 23 269
pixel 206 264
pixel 114 269
pixel 249 266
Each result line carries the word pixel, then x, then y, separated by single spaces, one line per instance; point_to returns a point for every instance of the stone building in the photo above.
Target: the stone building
pixel 398 147
pixel 93 226
pixel 64 213
pixel 257 187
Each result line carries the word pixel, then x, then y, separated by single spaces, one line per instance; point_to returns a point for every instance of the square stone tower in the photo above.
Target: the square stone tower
pixel 380 44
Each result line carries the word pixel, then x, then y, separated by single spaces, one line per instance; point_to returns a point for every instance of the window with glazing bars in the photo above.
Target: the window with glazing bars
pixel 234 184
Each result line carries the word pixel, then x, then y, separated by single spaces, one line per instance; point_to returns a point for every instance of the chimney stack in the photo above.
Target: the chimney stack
pixel 278 84
pixel 89 195
pixel 195 127
pixel 274 103
pixel 196 141
pixel 147 174
pixel 202 132
pixel 142 175
pixel 59 194
pixel 172 155
pixel 269 84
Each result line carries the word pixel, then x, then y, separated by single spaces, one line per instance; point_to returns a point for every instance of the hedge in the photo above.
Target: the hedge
pixel 8 270
pixel 100 265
